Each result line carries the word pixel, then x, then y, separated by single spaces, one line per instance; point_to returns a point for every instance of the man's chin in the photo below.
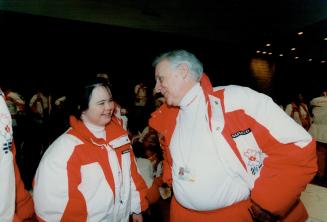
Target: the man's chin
pixel 171 104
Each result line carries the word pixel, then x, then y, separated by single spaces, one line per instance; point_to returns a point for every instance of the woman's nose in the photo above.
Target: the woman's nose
pixel 108 106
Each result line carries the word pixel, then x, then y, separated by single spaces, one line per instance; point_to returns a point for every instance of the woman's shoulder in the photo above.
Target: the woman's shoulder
pixel 62 147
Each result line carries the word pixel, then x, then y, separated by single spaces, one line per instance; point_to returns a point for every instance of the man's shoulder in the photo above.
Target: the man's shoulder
pixel 236 97
pixel 233 91
pixel 319 101
pixel 231 88
pixel 61 149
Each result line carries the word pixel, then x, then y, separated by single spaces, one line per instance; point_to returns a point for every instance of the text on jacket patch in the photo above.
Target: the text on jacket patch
pixel 241 133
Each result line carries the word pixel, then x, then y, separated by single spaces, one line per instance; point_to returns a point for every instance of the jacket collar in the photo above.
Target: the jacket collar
pixel 162 119
pixel 113 131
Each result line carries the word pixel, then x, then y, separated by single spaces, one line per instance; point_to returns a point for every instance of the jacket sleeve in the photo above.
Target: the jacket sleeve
pixel 7 184
pixel 153 194
pixel 24 203
pixel 290 162
pixel 55 192
pixel 7 173
pixel 166 166
pixel 163 120
pixel 16 202
pixel 139 189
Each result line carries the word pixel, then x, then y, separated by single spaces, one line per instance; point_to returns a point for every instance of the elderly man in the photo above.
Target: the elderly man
pixel 231 154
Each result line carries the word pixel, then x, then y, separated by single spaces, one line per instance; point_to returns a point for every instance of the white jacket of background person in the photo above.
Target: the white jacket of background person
pixel 318 128
pixel 7 173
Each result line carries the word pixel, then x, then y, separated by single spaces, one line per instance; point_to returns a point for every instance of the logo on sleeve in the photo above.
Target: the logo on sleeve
pixel 6 134
pixel 6 147
pixel 241 133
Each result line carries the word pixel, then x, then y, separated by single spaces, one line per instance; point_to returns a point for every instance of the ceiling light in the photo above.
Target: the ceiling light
pixel 325 38
pixel 293 49
pixel 296 57
pixel 323 61
pixel 258 51
pixel 300 33
pixel 281 55
pixel 310 60
pixel 268 44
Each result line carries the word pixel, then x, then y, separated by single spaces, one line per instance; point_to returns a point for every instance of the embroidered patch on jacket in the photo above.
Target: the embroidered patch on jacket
pixel 120 141
pixel 254 160
pixel 241 133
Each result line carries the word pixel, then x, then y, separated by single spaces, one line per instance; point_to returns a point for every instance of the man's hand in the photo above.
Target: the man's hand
pixel 261 215
pixel 137 218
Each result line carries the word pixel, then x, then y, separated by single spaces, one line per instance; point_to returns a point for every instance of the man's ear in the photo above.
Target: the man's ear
pixel 184 70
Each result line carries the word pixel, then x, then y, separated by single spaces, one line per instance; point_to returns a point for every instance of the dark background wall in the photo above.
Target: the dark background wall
pixel 57 53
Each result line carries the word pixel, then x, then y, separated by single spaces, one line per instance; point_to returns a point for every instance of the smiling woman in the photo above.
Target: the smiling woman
pixel 91 164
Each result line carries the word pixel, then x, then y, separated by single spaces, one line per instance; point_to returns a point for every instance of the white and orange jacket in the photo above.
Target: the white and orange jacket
pixel 84 178
pixel 16 203
pixel 274 156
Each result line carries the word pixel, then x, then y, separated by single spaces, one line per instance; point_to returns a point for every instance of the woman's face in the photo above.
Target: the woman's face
pixel 101 106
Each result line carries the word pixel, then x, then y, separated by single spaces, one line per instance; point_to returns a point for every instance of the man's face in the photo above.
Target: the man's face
pixel 169 82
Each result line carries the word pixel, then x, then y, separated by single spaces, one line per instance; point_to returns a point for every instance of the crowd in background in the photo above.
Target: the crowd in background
pixel 39 120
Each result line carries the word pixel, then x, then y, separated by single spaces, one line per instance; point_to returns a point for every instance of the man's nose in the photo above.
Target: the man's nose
pixel 157 87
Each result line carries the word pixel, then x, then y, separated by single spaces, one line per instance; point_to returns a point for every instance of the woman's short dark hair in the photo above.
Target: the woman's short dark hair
pixel 83 94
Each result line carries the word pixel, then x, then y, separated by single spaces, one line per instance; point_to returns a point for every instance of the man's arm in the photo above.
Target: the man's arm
pixel 24 202
pixel 290 162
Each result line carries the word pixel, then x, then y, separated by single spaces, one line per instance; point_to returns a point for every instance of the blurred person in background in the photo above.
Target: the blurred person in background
pixel 318 130
pixel 16 203
pixel 299 111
